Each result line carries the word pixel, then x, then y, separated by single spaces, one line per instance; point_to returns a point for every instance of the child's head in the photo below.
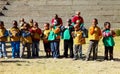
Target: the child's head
pixel 56 16
pixel 35 24
pixel 78 22
pixel 26 26
pixel 22 20
pixel 15 24
pixel 76 27
pixel 31 20
pixel 46 26
pixel 69 22
pixel 94 22
pixel 1 24
pixel 77 13
pixel 107 25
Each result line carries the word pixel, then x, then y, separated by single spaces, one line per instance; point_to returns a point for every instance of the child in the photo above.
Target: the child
pixel 36 34
pixel 82 28
pixel 21 21
pixel 78 41
pixel 94 35
pixel 14 34
pixel 31 23
pixel 45 39
pixel 3 39
pixel 108 40
pixel 26 40
pixel 68 40
pixel 54 38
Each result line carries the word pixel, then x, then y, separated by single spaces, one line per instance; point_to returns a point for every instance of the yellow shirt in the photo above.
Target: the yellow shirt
pixel 27 39
pixel 78 40
pixel 94 33
pixel 14 31
pixel 46 33
pixel 2 32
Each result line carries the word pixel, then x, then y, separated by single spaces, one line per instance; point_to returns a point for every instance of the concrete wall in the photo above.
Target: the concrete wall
pixel 43 10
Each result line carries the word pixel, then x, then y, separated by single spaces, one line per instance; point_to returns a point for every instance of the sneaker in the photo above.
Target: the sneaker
pixel 6 57
pixel 74 58
pixel 55 58
pixel 86 59
pixel 112 60
pixel 13 57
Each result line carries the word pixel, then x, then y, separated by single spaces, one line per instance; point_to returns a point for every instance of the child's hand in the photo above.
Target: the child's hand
pixel 1 36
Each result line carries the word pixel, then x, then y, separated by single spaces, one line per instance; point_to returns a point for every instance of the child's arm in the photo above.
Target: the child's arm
pixel 113 33
pixel 91 30
pixel 100 33
pixel 6 33
pixel 10 34
pixel 26 34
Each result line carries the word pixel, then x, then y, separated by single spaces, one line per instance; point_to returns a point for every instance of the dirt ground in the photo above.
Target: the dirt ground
pixel 45 65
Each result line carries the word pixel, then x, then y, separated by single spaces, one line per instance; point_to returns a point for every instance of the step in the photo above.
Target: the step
pixel 37 13
pixel 41 13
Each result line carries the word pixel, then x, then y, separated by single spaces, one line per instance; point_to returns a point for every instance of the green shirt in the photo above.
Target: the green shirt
pixel 108 41
pixel 67 33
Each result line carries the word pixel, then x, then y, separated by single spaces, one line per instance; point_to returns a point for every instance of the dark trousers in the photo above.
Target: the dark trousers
pixel 28 46
pixel 35 49
pixel 47 48
pixel 110 51
pixel 93 46
pixel 68 44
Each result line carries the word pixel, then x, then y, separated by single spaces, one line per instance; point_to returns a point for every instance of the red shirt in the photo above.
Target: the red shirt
pixel 34 32
pixel 75 18
pixel 59 19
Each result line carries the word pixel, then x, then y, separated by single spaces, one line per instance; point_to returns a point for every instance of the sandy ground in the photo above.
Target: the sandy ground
pixel 44 65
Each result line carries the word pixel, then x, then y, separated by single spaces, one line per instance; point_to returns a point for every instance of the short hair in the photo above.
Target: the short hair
pixel 2 23
pixel 69 20
pixel 15 22
pixel 47 24
pixel 107 23
pixel 96 20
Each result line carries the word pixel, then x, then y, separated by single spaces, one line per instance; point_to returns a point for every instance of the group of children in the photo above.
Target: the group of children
pixel 73 34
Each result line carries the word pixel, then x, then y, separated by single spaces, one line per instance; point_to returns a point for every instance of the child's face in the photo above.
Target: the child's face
pixel 68 24
pixel 107 26
pixel 46 27
pixel 94 22
pixel 35 25
pixel 76 28
pixel 14 24
pixel 0 26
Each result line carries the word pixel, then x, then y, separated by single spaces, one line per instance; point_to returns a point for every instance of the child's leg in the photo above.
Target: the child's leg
pixel 106 53
pixel 4 49
pixel 52 48
pixel 65 48
pixel 13 49
pixel 111 53
pixel 33 49
pixel 80 51
pixel 22 51
pixel 57 52
pixel 28 50
pixel 89 50
pixel 1 55
pixel 76 47
pixel 18 48
pixel 37 49
pixel 45 48
pixel 70 46
pixel 95 50
pixel 48 49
